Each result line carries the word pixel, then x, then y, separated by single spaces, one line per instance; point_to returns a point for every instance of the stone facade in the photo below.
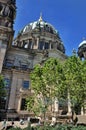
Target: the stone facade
pixel 33 45
pixel 7 16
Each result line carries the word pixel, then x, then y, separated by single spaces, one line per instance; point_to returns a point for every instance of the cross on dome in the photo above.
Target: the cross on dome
pixel 40 18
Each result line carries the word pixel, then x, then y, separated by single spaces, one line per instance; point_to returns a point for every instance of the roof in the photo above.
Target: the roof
pixel 39 24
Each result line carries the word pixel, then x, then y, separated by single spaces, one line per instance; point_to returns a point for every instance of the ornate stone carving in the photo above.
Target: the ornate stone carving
pixel 5 10
pixel 6 23
pixel 2 8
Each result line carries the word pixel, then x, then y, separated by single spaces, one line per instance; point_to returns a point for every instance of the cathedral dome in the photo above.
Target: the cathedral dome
pixel 82 43
pixel 39 35
pixel 39 25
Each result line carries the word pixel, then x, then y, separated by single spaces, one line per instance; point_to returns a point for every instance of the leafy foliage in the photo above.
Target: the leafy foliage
pixel 2 85
pixel 45 81
pixel 57 79
pixel 75 79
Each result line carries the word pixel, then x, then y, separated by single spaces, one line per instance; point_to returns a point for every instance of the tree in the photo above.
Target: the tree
pixel 55 79
pixel 2 90
pixel 45 81
pixel 2 85
pixel 75 80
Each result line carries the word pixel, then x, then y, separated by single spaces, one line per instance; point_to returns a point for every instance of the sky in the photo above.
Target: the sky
pixel 67 16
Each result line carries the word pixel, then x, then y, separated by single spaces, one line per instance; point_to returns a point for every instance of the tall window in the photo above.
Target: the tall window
pixel 41 45
pixel 51 46
pixel 7 82
pixel 2 102
pixel 46 45
pixel 30 44
pixel 23 104
pixel 25 84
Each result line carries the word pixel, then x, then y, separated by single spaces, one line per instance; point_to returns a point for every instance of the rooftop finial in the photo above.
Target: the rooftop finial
pixel 40 19
pixel 74 52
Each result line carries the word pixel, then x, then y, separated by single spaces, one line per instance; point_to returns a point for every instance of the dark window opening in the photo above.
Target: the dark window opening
pixel 41 45
pixel 34 120
pixel 25 44
pixel 46 45
pixel 2 102
pixel 51 46
pixel 30 44
pixel 23 104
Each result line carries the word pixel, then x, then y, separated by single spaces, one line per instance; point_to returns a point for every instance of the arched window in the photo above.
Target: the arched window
pixel 41 45
pixel 51 46
pixel 30 44
pixel 46 45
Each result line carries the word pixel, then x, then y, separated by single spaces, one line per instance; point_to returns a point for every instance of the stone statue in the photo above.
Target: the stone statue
pixel 2 8
pixel 6 23
pixel 10 24
pixel 7 11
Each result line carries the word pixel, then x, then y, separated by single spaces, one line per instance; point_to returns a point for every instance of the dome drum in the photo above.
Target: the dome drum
pixel 37 43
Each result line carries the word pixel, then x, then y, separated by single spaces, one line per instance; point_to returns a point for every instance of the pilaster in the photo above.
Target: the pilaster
pixel 3 48
pixel 13 92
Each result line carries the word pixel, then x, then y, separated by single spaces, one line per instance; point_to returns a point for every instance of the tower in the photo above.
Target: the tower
pixel 7 16
pixel 82 49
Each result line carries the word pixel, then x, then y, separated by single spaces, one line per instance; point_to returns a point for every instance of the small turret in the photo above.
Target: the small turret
pixel 82 49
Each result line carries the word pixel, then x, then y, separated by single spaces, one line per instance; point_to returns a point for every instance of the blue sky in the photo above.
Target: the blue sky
pixel 67 16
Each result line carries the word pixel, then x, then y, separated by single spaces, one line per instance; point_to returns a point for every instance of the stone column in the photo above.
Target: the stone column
pixel 56 105
pixel 13 92
pixel 50 45
pixel 82 111
pixel 32 43
pixel 21 43
pixel 28 43
pixel 3 48
pixel 43 45
pixel 55 110
pixel 37 42
pixel 69 105
pixel 19 104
